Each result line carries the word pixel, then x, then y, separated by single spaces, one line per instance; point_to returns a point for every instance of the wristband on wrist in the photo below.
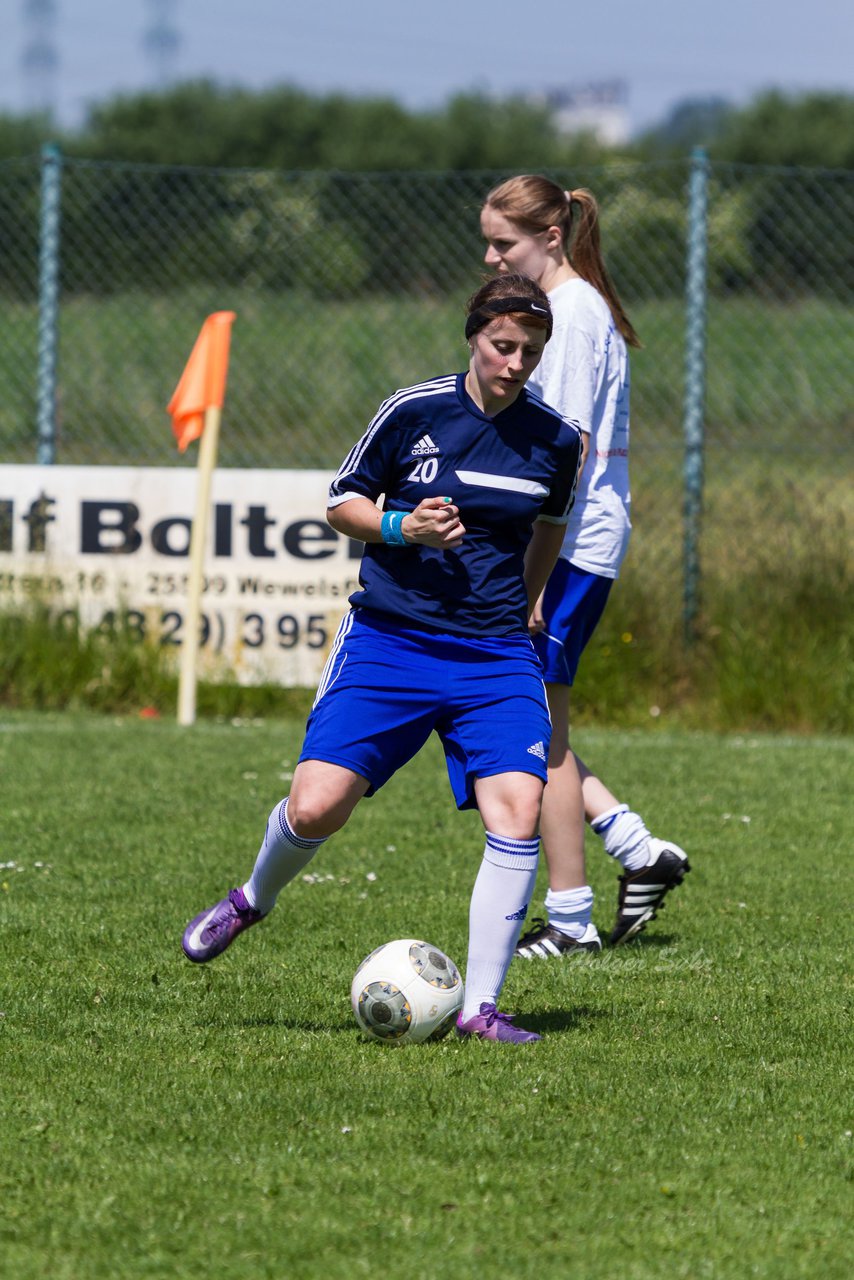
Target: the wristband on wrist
pixel 391 528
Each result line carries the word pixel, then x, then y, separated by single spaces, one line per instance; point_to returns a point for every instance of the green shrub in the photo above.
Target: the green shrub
pixel 50 663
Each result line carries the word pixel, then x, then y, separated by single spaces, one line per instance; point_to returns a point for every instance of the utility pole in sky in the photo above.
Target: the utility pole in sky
pixel 39 57
pixel 161 41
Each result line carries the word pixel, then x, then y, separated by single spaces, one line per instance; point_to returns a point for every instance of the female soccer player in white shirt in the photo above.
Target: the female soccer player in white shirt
pixel 531 225
pixel 477 479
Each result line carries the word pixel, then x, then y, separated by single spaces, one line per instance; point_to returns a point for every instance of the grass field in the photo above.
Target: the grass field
pixel 688 1113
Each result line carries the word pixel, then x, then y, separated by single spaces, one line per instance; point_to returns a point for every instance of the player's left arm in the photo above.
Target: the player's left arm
pixel 541 557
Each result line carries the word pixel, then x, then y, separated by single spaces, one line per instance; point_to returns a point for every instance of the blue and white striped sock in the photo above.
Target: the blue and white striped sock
pixel 499 903
pixel 624 836
pixel 281 857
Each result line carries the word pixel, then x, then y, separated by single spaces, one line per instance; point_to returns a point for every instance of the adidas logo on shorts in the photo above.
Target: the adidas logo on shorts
pixel 537 750
pixel 424 447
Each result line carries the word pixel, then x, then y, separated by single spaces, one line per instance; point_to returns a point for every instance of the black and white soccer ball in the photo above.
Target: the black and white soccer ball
pixel 406 991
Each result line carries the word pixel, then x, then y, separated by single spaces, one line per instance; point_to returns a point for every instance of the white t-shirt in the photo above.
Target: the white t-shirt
pixel 584 374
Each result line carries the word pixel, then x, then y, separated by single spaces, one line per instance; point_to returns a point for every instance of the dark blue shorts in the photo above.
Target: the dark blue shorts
pixel 385 688
pixel 572 606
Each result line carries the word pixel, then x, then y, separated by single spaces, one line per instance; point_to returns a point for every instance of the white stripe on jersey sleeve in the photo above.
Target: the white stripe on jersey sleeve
pixel 336 501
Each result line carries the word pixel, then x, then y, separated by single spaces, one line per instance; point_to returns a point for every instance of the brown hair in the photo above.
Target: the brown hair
pixel 535 203
pixel 492 298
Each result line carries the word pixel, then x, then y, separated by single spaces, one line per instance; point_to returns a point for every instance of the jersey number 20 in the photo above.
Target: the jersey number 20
pixel 425 471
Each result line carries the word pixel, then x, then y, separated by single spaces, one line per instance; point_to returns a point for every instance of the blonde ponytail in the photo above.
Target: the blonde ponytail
pixel 585 256
pixel 534 203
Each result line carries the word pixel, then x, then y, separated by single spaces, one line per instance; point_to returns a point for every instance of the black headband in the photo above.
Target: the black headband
pixel 501 306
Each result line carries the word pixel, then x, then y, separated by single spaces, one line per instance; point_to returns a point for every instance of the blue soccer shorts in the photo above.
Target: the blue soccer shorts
pixel 572 606
pixel 385 688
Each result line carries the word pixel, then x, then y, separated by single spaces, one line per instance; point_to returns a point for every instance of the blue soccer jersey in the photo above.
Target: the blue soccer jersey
pixel 432 440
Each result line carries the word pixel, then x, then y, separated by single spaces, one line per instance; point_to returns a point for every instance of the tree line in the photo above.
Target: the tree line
pixel 200 123
pixel 285 190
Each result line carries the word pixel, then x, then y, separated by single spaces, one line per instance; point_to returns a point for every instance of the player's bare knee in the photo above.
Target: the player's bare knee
pixel 312 815
pixel 517 819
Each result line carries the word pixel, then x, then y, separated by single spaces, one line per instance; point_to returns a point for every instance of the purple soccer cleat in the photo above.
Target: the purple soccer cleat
pixel 489 1024
pixel 217 927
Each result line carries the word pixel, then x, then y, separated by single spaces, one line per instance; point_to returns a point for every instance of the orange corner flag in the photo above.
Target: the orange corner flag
pixel 202 384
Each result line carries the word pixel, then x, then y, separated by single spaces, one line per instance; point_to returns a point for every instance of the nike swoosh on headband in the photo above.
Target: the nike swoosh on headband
pixel 489 311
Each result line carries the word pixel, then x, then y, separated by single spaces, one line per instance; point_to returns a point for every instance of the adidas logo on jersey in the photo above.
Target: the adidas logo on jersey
pixel 537 750
pixel 424 447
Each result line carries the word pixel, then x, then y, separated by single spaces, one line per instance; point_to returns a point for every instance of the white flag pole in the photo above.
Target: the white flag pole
pixel 198 539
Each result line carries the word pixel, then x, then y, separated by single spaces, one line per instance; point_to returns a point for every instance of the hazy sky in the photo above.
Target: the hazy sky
pixel 421 53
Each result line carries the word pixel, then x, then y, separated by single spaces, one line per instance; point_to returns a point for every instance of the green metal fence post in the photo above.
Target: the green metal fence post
pixel 695 385
pixel 48 302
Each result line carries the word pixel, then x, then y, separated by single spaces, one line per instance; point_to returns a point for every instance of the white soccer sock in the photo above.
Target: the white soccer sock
pixel 624 836
pixel 499 902
pixel 281 857
pixel 570 910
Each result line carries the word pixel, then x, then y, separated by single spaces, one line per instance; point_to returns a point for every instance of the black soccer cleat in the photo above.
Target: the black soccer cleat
pixel 544 942
pixel 642 892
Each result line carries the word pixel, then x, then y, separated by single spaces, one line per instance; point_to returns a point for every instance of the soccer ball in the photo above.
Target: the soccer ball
pixel 406 992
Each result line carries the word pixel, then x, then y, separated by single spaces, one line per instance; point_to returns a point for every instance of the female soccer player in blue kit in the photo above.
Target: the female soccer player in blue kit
pixel 478 477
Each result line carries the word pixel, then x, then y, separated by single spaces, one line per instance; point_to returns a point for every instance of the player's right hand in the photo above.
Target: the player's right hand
pixel 435 522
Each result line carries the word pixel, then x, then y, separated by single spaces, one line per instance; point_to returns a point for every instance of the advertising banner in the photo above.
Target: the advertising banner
pixel 111 544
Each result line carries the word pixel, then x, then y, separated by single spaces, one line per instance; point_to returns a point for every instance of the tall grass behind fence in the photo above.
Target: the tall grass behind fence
pixel 347 286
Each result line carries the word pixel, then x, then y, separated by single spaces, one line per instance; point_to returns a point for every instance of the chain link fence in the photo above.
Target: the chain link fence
pixel 348 286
